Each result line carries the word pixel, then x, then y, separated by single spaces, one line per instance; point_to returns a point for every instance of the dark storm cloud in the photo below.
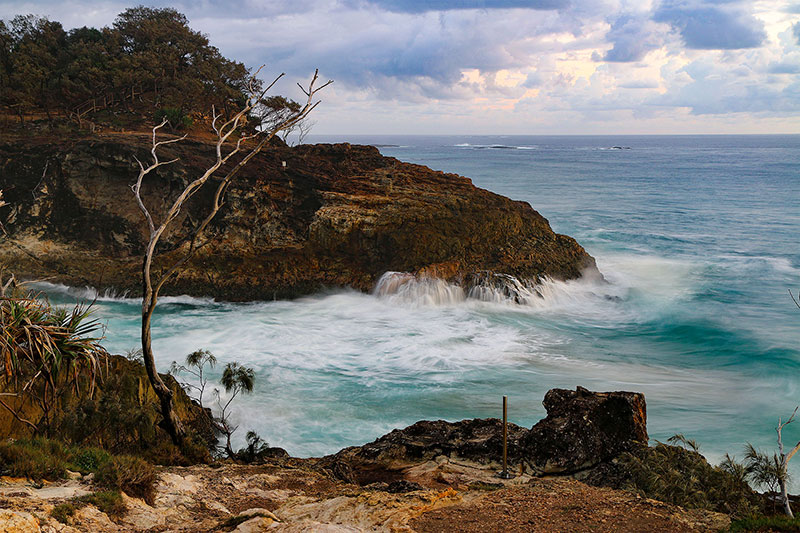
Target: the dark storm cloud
pixel 712 25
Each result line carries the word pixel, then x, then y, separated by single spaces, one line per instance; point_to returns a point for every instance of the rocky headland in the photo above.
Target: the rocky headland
pixel 334 216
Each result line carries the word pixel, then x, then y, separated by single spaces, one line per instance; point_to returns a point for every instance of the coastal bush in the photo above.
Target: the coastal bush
pixel 108 502
pixel 88 460
pixel 37 459
pixel 175 117
pixel 47 459
pixel 772 524
pixel 683 477
pixel 236 379
pixel 195 365
pixel 256 447
pixel 131 475
pixel 46 354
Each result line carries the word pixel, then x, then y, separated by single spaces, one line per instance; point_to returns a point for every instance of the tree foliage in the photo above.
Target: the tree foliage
pixel 149 59
pixel 236 379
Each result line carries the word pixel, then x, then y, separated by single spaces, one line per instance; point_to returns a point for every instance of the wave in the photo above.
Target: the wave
pixel 493 288
pixel 494 146
pixel 112 295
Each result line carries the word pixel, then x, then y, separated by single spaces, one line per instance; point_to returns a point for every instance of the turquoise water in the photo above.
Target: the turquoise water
pixel 698 236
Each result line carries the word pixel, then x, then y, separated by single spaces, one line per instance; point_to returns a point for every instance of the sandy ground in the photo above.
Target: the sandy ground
pixel 290 496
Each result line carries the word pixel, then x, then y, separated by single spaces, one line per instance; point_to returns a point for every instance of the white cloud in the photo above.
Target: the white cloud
pixel 569 67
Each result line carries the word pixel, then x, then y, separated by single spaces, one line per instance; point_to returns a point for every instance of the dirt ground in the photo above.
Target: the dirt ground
pixel 291 497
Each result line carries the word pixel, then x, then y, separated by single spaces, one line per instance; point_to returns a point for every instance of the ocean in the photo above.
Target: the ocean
pixel 698 238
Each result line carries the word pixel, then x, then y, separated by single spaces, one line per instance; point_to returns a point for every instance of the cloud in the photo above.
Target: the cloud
pixel 509 65
pixel 706 26
pixel 784 67
pixel 641 84
pixel 422 6
pixel 633 38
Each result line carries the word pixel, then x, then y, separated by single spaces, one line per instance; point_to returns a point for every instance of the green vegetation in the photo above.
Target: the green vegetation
pixel 683 477
pixel 149 65
pixel 774 524
pixel 45 459
pixel 129 474
pixel 147 51
pixel 109 502
pixel 236 379
pixel 45 352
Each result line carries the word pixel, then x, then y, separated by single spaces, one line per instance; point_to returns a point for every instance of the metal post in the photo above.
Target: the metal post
pixel 505 474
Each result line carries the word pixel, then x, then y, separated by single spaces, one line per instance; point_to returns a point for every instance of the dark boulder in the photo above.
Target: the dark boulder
pixel 479 440
pixel 583 429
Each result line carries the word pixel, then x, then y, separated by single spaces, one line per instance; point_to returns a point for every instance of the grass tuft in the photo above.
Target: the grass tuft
pixel 130 474
pixel 774 524
pixel 108 502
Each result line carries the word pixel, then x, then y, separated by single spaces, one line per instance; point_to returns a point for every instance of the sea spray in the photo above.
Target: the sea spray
pixel 697 237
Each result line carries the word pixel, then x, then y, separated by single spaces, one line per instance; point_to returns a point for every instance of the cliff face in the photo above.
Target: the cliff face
pixel 335 215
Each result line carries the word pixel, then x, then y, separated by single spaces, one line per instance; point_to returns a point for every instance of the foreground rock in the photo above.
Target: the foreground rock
pixel 434 476
pixel 582 430
pixel 292 497
pixel 335 215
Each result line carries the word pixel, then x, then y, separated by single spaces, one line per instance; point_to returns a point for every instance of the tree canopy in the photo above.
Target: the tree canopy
pixel 149 59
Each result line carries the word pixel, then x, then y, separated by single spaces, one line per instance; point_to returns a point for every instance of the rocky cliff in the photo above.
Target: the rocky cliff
pixel 333 216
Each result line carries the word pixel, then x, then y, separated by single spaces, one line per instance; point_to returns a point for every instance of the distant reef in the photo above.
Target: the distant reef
pixel 336 215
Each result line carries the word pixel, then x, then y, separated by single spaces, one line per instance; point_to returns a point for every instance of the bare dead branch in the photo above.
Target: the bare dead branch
pixel 795 300
pixel 224 133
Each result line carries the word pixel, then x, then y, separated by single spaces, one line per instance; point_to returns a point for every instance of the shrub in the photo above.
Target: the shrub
pixel 47 352
pixel 683 477
pixel 129 474
pixel 766 524
pixel 87 460
pixel 109 502
pixel 36 459
pixel 177 119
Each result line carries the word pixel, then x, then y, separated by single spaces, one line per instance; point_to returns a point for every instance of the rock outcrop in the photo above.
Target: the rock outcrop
pixel 333 216
pixel 582 430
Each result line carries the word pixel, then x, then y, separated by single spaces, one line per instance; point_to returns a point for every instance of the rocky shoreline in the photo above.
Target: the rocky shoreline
pixel 334 216
pixel 431 476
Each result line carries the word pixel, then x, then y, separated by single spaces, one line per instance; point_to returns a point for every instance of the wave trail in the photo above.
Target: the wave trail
pixel 487 287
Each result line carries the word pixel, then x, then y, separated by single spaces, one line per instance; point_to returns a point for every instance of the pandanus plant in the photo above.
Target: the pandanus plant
pixel 45 352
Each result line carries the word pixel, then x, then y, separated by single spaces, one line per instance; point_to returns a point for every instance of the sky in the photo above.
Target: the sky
pixel 512 66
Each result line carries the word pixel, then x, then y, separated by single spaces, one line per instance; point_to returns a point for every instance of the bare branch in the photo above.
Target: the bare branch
pixel 225 134
pixel 795 300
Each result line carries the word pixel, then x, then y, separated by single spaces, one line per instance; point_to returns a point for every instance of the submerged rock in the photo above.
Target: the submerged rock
pixel 333 216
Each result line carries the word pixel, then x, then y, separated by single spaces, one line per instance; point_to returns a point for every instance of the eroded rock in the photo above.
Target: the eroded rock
pixel 583 429
pixel 18 522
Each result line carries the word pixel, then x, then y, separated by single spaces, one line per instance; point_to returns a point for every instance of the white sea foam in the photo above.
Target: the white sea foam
pixel 110 295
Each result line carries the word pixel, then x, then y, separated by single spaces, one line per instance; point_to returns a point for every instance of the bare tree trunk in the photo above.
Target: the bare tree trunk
pixel 170 422
pixel 228 448
pixel 787 508
pixel 150 290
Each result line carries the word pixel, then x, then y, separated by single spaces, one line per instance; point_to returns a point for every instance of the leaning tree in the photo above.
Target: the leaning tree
pixel 232 144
